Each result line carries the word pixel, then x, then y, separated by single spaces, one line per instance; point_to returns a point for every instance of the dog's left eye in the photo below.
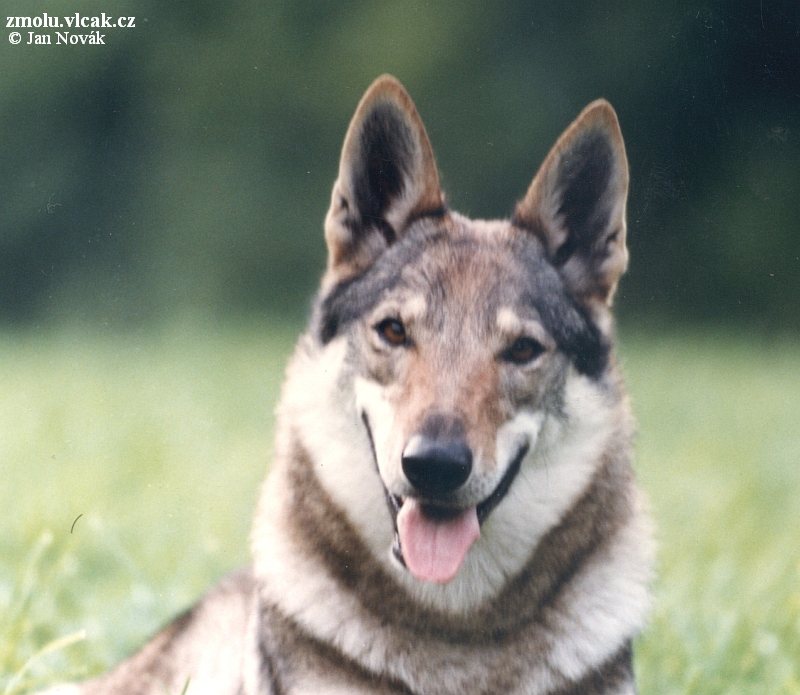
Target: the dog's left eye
pixel 523 350
pixel 392 331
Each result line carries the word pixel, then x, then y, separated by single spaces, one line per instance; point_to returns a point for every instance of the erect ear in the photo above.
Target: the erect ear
pixel 576 205
pixel 387 179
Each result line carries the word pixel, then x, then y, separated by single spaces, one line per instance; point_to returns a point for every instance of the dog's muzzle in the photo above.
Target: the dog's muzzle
pixel 432 533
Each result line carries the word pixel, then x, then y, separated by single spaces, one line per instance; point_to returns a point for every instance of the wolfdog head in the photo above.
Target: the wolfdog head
pixel 467 348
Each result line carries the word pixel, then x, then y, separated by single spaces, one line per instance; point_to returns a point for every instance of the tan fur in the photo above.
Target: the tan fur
pixel 550 595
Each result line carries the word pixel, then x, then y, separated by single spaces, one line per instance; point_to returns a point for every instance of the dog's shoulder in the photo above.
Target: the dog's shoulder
pixel 203 647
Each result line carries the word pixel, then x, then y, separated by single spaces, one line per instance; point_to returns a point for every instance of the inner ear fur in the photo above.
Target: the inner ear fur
pixel 576 205
pixel 387 179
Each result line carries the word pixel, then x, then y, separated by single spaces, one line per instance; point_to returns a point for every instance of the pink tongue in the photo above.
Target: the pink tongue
pixel 434 550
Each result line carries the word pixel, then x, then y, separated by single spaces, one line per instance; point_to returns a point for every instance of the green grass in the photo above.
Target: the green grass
pixel 159 443
pixel 719 454
pixel 156 444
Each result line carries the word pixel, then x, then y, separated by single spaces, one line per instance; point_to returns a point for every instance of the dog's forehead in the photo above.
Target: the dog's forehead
pixel 478 266
pixel 466 255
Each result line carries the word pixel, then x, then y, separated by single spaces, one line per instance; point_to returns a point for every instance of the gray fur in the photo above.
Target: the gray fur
pixel 488 339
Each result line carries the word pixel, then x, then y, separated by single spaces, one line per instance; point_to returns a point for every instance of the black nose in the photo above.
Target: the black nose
pixel 436 467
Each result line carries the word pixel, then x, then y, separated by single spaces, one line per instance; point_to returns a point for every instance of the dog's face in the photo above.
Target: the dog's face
pixel 462 334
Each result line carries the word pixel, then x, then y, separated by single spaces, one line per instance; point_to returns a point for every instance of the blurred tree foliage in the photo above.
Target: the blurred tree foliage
pixel 186 165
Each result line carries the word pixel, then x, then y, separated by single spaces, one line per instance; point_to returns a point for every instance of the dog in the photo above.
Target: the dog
pixel 451 507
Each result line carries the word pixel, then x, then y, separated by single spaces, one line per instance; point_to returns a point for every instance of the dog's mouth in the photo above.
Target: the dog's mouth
pixel 432 540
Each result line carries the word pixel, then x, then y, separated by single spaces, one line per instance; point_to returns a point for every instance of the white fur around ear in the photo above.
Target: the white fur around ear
pixel 576 204
pixel 387 179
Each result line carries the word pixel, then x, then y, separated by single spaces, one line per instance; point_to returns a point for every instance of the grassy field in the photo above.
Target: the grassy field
pixel 130 468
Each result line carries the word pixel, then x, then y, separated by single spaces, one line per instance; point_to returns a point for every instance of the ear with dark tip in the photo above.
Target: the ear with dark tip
pixel 387 179
pixel 576 205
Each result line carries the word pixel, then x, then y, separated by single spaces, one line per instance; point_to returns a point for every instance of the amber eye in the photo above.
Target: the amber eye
pixel 523 350
pixel 392 331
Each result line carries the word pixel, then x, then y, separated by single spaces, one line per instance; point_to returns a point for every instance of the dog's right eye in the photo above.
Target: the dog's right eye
pixel 523 351
pixel 392 331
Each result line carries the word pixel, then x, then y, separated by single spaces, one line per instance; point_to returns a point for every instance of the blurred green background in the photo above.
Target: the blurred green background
pixel 161 206
pixel 186 165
